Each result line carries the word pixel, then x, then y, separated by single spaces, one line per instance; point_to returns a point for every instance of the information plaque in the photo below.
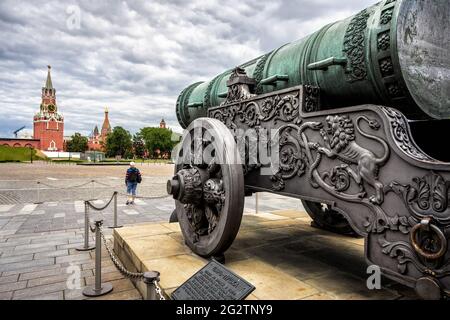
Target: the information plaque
pixel 213 282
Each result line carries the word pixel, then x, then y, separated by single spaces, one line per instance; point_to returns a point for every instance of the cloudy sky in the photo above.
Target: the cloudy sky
pixel 136 56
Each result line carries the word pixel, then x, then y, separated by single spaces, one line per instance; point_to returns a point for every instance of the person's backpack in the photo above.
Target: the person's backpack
pixel 133 176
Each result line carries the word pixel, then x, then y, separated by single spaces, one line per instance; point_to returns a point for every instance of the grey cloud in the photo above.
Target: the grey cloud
pixel 136 56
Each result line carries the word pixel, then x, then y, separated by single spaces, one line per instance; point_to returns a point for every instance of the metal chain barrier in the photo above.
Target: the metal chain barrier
pixel 150 278
pixel 15 191
pixel 137 197
pixel 158 290
pixel 105 206
pixel 64 188
pixel 147 198
pixel 104 184
pixel 117 263
pixel 125 271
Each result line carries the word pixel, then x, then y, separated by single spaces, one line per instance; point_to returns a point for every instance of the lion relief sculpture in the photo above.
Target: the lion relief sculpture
pixel 339 139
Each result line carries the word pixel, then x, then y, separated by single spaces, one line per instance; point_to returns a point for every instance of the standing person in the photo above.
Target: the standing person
pixel 132 178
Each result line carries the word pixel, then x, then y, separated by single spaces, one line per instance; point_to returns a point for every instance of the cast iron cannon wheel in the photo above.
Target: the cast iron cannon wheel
pixel 326 218
pixel 208 191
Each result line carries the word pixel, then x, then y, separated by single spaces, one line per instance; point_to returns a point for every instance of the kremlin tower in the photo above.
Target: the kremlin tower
pixel 48 124
pixel 106 127
pixel 98 139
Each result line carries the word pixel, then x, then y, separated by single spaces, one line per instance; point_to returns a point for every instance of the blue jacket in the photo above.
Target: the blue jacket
pixel 133 175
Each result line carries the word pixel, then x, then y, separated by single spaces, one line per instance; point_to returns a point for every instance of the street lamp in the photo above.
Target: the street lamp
pixel 31 154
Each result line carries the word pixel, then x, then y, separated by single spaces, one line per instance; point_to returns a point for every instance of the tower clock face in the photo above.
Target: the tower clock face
pixel 51 108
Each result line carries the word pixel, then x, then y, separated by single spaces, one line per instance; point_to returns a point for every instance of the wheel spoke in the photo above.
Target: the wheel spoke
pixel 213 193
pixel 196 217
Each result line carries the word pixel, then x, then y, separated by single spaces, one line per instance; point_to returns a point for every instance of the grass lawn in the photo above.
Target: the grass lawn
pixel 10 154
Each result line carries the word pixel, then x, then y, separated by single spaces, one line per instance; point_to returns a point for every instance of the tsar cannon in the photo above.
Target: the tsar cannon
pixel 332 119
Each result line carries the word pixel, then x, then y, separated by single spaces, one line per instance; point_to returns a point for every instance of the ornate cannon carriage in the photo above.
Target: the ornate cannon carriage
pixel 330 119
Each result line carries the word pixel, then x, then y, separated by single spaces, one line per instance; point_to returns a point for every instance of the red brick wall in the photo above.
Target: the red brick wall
pixel 20 143
pixel 48 131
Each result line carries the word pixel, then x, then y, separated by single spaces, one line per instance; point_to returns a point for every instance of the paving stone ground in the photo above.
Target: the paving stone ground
pixel 38 242
pixel 38 249
pixel 42 182
pixel 38 256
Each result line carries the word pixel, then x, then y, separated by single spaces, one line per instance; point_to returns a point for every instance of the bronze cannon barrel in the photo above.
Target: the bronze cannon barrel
pixel 395 53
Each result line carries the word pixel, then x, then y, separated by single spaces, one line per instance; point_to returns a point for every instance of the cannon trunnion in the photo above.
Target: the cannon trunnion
pixel 357 168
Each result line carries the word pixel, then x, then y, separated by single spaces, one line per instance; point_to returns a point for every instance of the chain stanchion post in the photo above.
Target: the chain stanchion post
pixel 149 279
pixel 86 246
pixel 38 193
pixel 115 225
pixel 99 288
pixel 93 189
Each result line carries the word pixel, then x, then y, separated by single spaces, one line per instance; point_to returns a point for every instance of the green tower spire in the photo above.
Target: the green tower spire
pixel 48 83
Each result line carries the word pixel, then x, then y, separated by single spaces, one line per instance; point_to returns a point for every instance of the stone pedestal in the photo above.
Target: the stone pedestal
pixel 278 252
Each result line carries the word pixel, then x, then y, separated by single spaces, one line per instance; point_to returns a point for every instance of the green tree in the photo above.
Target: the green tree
pixel 157 138
pixel 118 143
pixel 78 143
pixel 138 146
